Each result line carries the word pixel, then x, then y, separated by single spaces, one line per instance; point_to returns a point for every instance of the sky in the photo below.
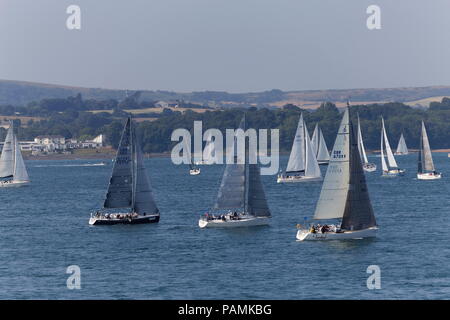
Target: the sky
pixel 226 45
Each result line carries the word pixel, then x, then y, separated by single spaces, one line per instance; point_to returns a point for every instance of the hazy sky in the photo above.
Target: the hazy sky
pixel 229 45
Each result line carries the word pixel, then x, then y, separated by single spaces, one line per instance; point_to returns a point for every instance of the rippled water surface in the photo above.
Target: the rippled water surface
pixel 44 228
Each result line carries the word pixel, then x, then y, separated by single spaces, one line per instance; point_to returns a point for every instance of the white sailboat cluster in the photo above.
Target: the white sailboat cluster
pixel 402 149
pixel 389 167
pixel 319 146
pixel 241 201
pixel 12 167
pixel 367 166
pixel 344 194
pixel 302 165
pixel 426 170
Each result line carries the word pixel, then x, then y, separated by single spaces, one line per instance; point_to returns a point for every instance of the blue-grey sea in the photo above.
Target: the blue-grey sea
pixel 44 229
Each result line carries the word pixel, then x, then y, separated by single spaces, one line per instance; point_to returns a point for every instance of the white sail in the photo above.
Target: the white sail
pixel 362 150
pixel 322 152
pixel 20 171
pixel 390 156
pixel 401 147
pixel 296 161
pixel 7 157
pixel 315 139
pixel 312 166
pixel 384 166
pixel 333 196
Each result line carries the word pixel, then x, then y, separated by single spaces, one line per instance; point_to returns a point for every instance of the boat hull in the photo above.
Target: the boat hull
pixel 323 162
pixel 429 176
pixel 306 235
pixel 138 220
pixel 293 179
pixel 14 184
pixel 245 222
pixel 369 167
pixel 393 173
pixel 194 172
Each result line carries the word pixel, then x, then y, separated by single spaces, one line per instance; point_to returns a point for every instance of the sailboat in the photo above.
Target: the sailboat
pixel 402 149
pixel 241 201
pixel 425 170
pixel 208 152
pixel 390 168
pixel 344 193
pixel 319 146
pixel 12 166
pixel 367 166
pixel 129 199
pixel 302 165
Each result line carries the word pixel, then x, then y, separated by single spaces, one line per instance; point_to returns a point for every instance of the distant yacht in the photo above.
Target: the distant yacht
pixel 12 166
pixel 129 187
pixel 367 166
pixel 208 153
pixel 402 149
pixel 302 165
pixel 241 201
pixel 319 146
pixel 344 194
pixel 426 170
pixel 390 168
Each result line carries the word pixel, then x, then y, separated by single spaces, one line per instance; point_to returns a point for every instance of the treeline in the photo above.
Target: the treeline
pixel 155 135
pixel 47 107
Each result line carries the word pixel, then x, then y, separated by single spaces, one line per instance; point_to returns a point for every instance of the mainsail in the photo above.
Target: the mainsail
pixel 7 157
pixel 241 186
pixel 390 156
pixel 296 161
pixel 425 159
pixel 401 147
pixel 303 157
pixel 344 192
pixel 11 160
pixel 362 150
pixel 129 186
pixel 319 145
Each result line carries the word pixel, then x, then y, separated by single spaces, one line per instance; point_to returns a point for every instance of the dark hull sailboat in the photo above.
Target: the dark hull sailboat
pixel 344 193
pixel 241 201
pixel 129 199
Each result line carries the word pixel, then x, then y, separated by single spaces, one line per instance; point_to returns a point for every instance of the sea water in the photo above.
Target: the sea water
pixel 44 229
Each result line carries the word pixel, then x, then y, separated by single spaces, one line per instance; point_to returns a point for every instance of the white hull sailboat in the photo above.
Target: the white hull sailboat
pixel 194 171
pixel 12 166
pixel 402 149
pixel 302 165
pixel 367 166
pixel 228 222
pixel 425 169
pixel 319 146
pixel 129 199
pixel 389 168
pixel 345 235
pixel 344 194
pixel 241 201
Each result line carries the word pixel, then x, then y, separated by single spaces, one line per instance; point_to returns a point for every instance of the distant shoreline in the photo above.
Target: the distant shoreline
pixel 111 154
